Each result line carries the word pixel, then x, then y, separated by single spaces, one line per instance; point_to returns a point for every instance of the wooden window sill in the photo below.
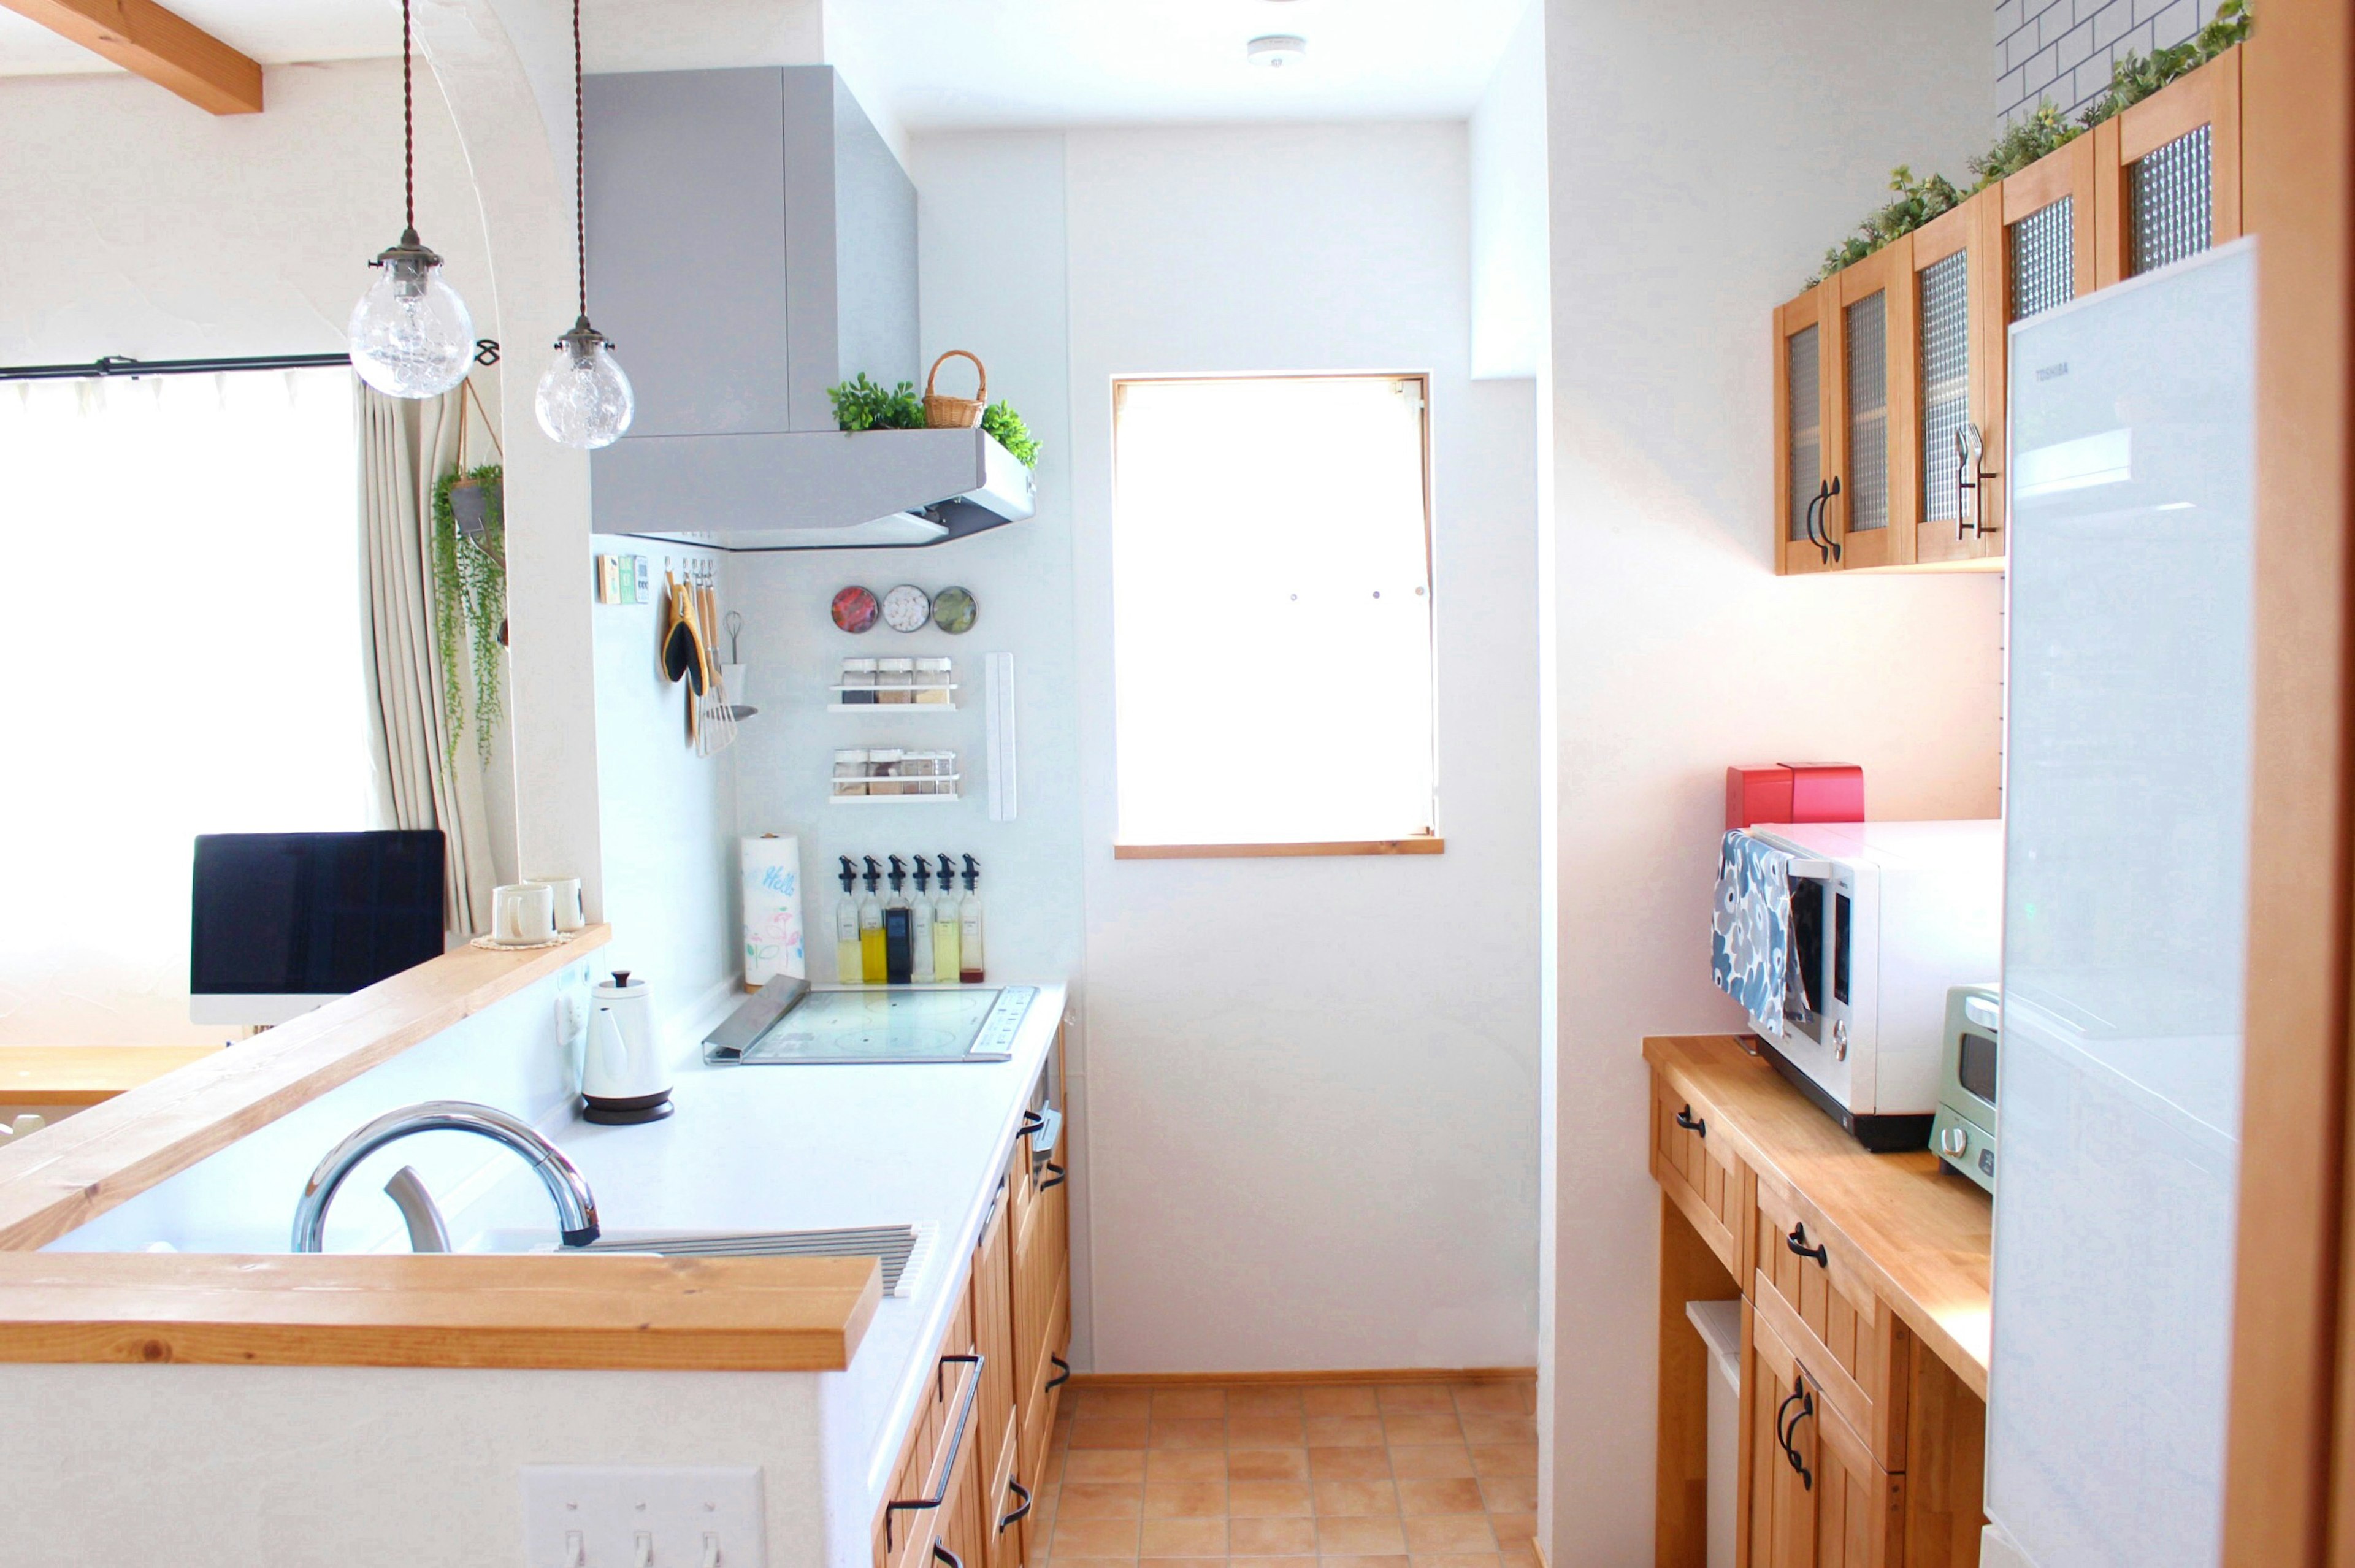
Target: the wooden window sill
pixel 1423 843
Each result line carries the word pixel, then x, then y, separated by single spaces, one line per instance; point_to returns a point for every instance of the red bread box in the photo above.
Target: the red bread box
pixel 1793 792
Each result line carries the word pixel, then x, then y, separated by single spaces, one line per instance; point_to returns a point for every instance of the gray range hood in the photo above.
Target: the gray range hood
pixel 752 242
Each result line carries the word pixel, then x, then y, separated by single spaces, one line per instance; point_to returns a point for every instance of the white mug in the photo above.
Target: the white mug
pixel 566 891
pixel 523 912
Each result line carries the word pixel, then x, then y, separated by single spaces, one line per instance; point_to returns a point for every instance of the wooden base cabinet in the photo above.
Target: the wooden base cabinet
pixel 1859 1448
pixel 1817 1499
pixel 971 1461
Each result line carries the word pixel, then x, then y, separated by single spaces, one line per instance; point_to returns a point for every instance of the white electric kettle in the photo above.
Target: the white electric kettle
pixel 622 1079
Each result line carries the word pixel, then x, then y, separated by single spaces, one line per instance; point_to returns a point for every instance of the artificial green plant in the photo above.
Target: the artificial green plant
pixel 470 588
pixel 2032 136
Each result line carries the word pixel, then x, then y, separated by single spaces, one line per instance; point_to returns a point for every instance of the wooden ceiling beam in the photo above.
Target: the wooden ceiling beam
pixel 167 50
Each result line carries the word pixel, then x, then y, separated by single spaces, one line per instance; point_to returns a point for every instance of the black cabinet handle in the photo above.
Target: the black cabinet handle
pixel 1060 1379
pixel 946 1558
pixel 1815 535
pixel 1831 494
pixel 1788 1439
pixel 1055 1176
pixel 1018 1515
pixel 1032 1122
pixel 1692 1123
pixel 1797 1241
pixel 946 1463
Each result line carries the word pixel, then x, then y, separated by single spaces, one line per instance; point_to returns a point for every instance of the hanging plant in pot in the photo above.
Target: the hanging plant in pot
pixel 469 592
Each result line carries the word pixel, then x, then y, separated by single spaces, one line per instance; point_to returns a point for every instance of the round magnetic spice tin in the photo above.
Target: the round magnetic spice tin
pixel 954 610
pixel 906 608
pixel 854 610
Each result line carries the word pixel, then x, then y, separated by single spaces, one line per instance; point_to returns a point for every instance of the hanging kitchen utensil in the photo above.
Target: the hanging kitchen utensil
pixel 955 414
pixel 680 657
pixel 731 673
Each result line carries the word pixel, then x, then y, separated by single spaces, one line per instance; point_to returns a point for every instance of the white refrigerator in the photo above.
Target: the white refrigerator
pixel 2126 801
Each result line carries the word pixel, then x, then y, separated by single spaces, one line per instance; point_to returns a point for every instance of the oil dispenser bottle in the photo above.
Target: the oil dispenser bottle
pixel 870 927
pixel 969 965
pixel 850 964
pixel 944 926
pixel 920 925
pixel 898 918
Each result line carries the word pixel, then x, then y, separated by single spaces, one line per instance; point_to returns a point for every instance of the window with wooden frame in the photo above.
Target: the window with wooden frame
pixel 1272 616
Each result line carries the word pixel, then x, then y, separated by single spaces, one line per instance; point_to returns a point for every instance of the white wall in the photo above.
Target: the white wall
pixel 135 223
pixel 1312 1120
pixel 668 816
pixel 1696 176
pixel 1508 208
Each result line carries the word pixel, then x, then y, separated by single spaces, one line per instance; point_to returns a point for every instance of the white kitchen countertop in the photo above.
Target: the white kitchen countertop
pixel 804 1145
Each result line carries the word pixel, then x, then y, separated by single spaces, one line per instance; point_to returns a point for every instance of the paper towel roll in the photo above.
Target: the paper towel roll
pixel 773 909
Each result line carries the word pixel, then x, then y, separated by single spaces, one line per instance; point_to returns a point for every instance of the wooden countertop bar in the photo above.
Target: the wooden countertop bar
pixel 1921 1232
pixel 381 1309
pixel 612 1311
pixel 71 1075
pixel 69 1173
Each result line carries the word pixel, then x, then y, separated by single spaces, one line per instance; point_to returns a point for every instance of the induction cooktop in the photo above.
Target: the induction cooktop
pixel 874 1025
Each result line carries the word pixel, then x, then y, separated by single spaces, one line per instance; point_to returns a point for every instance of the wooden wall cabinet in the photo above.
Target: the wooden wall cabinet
pixel 1880 368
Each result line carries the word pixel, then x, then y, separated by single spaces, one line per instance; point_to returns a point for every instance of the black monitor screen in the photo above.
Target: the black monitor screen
pixel 312 914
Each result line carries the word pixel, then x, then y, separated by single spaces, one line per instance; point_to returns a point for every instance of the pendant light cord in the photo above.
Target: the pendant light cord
pixel 408 126
pixel 579 169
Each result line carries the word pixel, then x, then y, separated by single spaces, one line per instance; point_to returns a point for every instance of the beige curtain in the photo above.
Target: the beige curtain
pixel 426 775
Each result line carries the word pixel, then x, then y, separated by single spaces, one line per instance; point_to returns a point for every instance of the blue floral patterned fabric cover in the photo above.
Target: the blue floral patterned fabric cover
pixel 1750 945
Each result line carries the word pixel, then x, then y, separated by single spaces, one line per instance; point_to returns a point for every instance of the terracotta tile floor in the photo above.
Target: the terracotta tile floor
pixel 1278 1476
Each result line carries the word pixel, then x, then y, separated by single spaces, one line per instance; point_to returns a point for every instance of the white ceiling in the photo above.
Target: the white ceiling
pixel 937 64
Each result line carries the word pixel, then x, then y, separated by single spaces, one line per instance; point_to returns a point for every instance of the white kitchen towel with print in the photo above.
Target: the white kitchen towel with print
pixel 1750 948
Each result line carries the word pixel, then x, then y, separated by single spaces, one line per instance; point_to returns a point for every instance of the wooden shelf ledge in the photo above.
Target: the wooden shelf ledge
pixel 541 1310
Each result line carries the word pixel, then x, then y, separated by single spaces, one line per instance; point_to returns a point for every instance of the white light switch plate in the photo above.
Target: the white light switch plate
pixel 676 1508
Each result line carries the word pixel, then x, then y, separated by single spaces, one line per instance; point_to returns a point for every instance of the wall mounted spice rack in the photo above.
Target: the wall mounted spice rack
pixel 890 775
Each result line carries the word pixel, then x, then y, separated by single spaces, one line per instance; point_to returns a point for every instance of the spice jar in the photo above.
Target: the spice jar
pixel 883 770
pixel 895 680
pixel 850 773
pixel 858 681
pixel 932 678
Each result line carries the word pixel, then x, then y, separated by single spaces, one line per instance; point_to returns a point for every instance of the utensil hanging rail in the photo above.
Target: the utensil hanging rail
pixel 486 352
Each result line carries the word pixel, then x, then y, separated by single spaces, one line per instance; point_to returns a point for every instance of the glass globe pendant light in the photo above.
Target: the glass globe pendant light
pixel 412 336
pixel 584 397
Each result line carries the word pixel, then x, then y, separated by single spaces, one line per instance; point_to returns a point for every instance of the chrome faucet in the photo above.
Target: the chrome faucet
pixel 576 1210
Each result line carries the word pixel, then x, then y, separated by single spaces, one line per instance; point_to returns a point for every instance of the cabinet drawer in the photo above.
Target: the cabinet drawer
pixel 1817 1496
pixel 1046 1390
pixel 1705 1180
pixel 1005 1504
pixel 1811 1289
pixel 917 1506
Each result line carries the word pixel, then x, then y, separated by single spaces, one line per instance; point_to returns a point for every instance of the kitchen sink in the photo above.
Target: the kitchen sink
pixel 902 1250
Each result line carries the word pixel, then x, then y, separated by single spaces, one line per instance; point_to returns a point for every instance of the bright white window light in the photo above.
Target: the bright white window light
pixel 186 657
pixel 1272 610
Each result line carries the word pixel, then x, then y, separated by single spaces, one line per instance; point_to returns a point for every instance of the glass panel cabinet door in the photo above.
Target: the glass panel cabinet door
pixel 1801 478
pixel 1875 501
pixel 2168 180
pixel 1956 438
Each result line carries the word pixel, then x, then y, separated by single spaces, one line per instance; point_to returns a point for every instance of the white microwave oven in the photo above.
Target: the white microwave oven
pixel 1886 917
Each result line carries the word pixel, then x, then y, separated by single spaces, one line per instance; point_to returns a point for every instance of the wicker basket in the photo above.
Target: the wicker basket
pixel 955 414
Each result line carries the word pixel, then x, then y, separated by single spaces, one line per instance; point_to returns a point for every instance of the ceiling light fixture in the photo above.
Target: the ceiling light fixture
pixel 412 336
pixel 1277 51
pixel 584 398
